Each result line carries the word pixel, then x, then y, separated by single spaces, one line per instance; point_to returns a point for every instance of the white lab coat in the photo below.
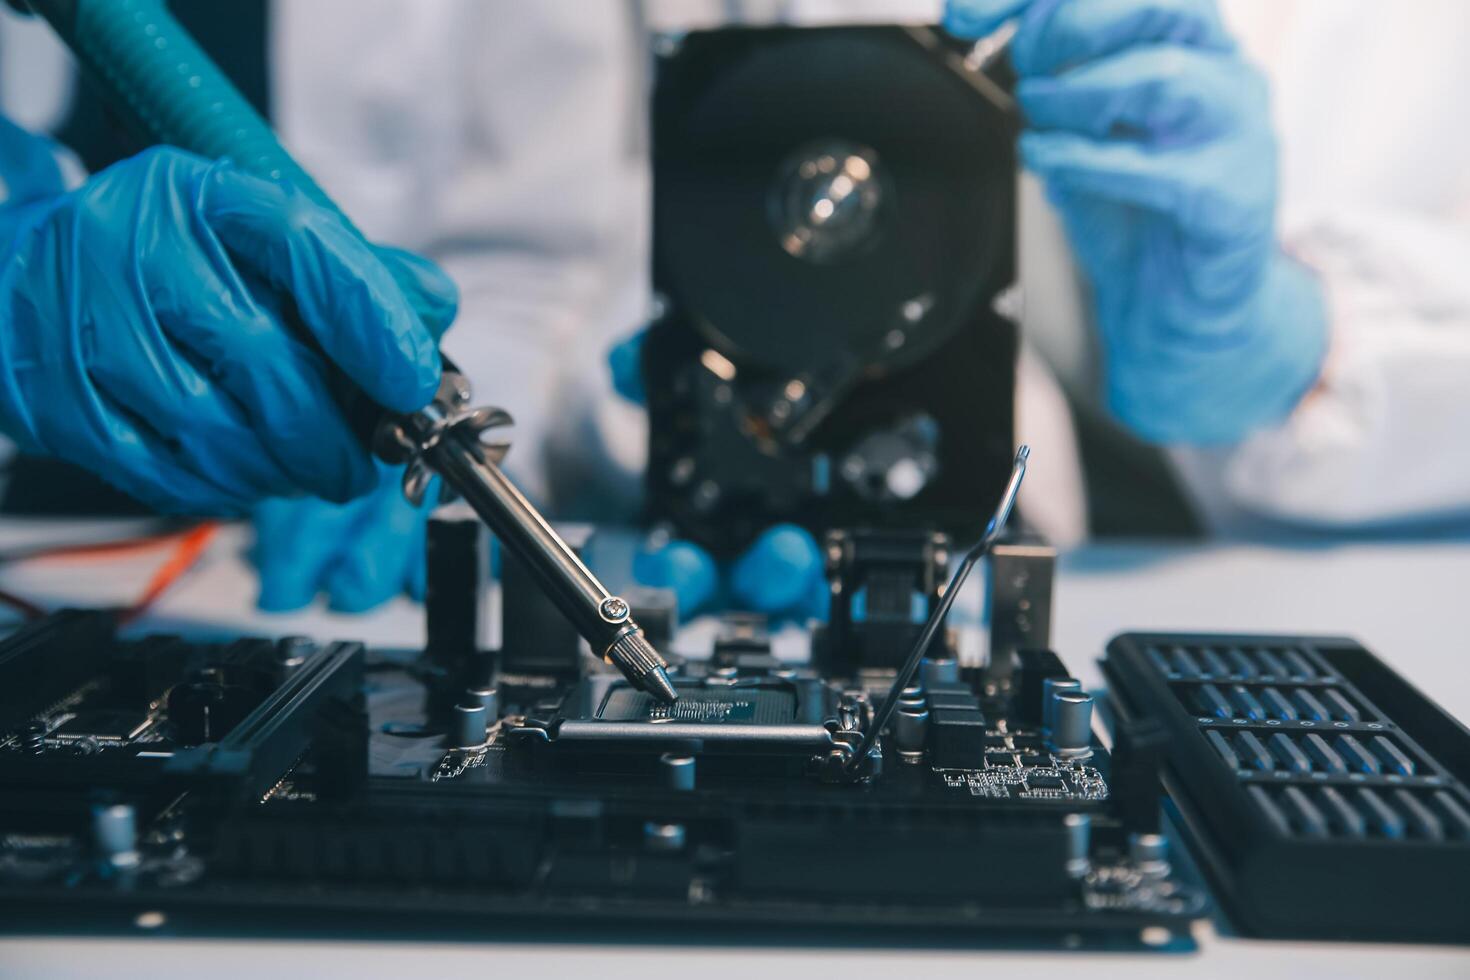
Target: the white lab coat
pixel 1376 197
pixel 508 141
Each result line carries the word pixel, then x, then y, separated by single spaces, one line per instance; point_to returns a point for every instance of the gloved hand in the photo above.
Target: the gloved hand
pixel 144 335
pixel 1154 138
pixel 361 553
pixel 780 574
pixel 29 175
pixel 368 550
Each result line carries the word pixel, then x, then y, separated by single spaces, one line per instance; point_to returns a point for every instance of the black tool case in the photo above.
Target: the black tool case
pixel 1324 795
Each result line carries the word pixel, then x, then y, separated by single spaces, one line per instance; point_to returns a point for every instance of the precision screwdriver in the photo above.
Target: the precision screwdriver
pixel 158 75
pixel 447 437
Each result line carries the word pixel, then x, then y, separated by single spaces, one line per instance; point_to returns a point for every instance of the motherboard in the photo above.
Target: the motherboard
pixel 287 785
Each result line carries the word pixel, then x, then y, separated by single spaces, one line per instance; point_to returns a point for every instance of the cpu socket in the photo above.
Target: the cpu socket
pixel 761 716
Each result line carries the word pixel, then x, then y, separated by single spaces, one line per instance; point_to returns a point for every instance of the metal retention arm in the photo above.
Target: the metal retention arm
pixel 941 610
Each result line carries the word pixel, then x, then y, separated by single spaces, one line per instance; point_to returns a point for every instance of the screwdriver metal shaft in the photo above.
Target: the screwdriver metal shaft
pixel 446 438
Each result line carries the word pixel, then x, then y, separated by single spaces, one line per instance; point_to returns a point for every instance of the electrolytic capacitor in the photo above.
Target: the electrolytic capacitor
pixel 469 725
pixel 664 837
pixel 678 770
pixel 1071 733
pixel 488 697
pixel 935 671
pixel 1149 853
pixel 911 727
pixel 1049 687
pixel 291 654
pixel 1079 843
pixel 115 833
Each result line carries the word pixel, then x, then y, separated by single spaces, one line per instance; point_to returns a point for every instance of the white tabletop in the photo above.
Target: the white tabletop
pixel 1407 601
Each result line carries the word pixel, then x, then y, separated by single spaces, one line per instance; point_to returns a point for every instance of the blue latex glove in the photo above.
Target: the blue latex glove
pixel 368 550
pixel 1154 138
pixel 781 574
pixel 361 553
pixel 28 175
pixel 143 335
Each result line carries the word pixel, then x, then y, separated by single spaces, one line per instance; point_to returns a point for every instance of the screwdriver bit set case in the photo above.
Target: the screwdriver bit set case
pixel 1324 796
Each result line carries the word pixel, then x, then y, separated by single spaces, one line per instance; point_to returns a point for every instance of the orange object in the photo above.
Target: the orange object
pixel 190 549
pixel 25 607
pixel 190 546
pixel 109 549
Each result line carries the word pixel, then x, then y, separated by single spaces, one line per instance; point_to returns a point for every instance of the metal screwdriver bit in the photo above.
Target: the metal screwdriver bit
pixel 446 438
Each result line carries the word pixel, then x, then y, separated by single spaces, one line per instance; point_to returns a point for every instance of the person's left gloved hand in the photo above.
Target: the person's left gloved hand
pixel 781 574
pixel 361 553
pixel 368 550
pixel 1154 138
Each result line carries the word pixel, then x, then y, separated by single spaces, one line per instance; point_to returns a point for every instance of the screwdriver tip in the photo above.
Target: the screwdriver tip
pixel 659 685
pixel 641 664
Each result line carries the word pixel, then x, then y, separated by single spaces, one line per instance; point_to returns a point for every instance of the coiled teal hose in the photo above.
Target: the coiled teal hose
pixel 155 72
pixel 160 76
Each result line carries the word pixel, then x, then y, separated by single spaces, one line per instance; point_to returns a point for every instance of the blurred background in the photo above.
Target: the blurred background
pixel 1234 253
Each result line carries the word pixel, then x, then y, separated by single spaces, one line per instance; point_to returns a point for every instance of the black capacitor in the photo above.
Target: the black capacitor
pixel 458 572
pixel 1050 688
pixel 487 697
pixel 678 771
pixel 536 637
pixel 1135 783
pixel 1029 668
pixel 115 833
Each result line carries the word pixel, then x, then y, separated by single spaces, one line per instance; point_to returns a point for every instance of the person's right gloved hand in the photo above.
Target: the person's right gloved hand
pixel 1153 135
pixel 145 335
pixel 370 549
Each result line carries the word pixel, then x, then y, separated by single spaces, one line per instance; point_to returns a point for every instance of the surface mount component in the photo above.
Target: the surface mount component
pixel 1325 796
pixel 749 717
pixel 878 580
